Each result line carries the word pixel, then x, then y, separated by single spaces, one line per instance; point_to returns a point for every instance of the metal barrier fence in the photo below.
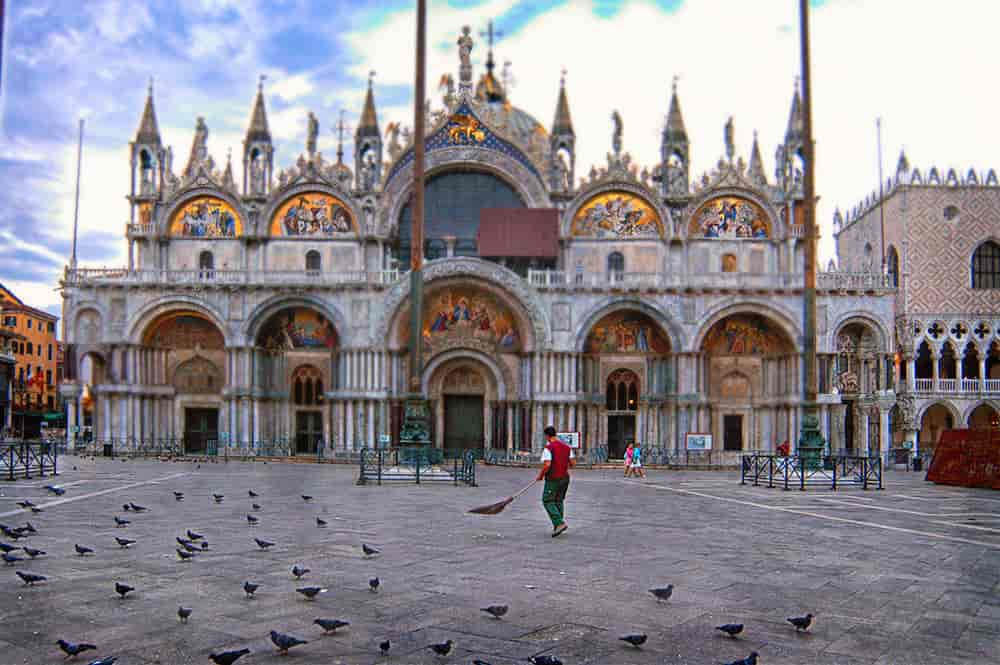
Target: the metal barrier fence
pixel 22 458
pixel 790 472
pixel 321 451
pixel 417 464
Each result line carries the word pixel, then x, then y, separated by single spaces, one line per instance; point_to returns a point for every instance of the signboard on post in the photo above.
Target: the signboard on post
pixel 571 439
pixel 384 440
pixel 698 441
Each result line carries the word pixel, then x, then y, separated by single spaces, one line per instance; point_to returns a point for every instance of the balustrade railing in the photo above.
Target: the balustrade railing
pixel 561 279
pixel 924 385
pixel 212 276
pixel 947 385
pixel 993 385
pixel 970 385
pixel 852 281
pixel 957 385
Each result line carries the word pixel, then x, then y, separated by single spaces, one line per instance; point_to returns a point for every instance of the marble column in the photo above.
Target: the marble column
pixel 885 435
pixel 935 362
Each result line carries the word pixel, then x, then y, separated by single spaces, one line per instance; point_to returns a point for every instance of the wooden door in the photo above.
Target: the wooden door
pixel 201 426
pixel 463 422
pixel 308 432
pixel 732 432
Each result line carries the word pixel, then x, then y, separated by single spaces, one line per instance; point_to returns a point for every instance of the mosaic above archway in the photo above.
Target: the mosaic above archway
pixel 617 215
pixel 312 214
pixel 456 315
pixel 745 334
pixel 297 329
pixel 206 217
pixel 184 331
pixel 730 217
pixel 627 332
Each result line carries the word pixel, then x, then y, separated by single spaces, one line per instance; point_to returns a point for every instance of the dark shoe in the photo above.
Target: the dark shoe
pixel 559 530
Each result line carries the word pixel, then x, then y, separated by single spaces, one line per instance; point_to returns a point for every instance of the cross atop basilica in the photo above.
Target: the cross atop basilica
pixel 491 36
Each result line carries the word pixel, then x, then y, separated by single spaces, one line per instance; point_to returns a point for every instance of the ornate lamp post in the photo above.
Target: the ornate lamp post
pixel 811 443
pixel 416 419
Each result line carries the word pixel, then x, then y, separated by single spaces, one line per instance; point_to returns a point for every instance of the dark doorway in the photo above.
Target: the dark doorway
pixel 621 430
pixel 201 426
pixel 849 426
pixel 732 432
pixel 308 432
pixel 463 421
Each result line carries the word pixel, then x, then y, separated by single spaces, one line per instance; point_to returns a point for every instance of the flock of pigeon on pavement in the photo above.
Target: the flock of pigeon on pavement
pixel 191 545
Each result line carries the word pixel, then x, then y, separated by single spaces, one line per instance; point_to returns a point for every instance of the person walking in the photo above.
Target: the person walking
pixel 637 461
pixel 557 460
pixel 629 452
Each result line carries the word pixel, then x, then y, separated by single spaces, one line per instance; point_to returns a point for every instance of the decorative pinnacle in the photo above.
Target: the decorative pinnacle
pixel 371 78
pixel 562 78
pixel 260 82
pixel 149 90
pixel 341 127
pixel 673 87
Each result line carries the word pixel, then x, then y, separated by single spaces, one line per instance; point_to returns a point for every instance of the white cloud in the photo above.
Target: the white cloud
pixel 291 88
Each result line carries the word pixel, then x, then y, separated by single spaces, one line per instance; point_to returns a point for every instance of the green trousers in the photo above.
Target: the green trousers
pixel 552 499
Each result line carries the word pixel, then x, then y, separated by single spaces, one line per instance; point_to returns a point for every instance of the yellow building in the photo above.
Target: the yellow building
pixel 34 382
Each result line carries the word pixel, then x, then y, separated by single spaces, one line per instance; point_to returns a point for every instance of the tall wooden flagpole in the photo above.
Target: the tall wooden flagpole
pixel 416 421
pixel 811 443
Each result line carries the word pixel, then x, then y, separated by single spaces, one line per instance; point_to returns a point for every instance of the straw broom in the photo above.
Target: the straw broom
pixel 495 508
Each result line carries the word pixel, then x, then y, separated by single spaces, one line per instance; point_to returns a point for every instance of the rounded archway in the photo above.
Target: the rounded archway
pixel 936 418
pixel 748 370
pixel 984 416
pixel 466 391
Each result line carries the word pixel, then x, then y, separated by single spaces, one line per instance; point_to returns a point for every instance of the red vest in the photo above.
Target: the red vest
pixel 559 467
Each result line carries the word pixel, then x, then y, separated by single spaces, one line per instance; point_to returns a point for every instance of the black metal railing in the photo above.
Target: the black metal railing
pixel 24 458
pixel 417 464
pixel 796 472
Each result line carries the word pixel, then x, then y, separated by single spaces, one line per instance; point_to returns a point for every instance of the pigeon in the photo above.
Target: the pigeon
pixel 263 544
pixel 82 551
pixel 183 613
pixel 330 625
pixel 30 578
pixel 123 589
pixel 749 660
pixel 320 522
pixel 194 536
pixel 369 551
pixel 184 555
pixel 731 629
pixel 120 522
pixel 189 546
pixel 255 506
pixel 801 623
pixel 25 504
pixel 72 650
pixel 32 552
pixel 663 593
pixel 204 545
pixel 374 583
pixel 480 662
pixel 29 528
pixel 36 509
pixel 136 508
pixel 110 660
pixel 285 642
pixel 126 507
pixel 13 534
pixel 441 649
pixel 384 647
pixel 251 520
pixel 227 657
pixel 179 496
pixel 249 588
pixel 253 495
pixel 55 489
pixel 544 659
pixel 124 542
pixel 11 559
pixel 218 497
pixel 311 592
pixel 636 640
pixel 306 498
pixel 496 611
pixel 298 571
pixel 5 548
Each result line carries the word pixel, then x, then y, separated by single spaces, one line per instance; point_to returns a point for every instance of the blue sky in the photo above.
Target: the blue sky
pixel 67 59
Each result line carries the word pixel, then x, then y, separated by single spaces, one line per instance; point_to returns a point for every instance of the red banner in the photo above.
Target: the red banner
pixel 967 458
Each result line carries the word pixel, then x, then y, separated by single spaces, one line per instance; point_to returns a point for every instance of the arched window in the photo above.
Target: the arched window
pixel 616 266
pixel 868 256
pixel 986 266
pixel 314 262
pixel 307 386
pixel 893 267
pixel 148 173
pixel 206 265
pixel 622 391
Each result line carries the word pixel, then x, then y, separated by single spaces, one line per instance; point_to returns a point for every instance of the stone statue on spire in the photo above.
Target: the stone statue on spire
pixel 730 142
pixel 311 134
pixel 465 44
pixel 616 136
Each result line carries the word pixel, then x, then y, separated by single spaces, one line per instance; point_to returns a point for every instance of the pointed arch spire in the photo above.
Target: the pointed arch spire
pixel 795 121
pixel 563 123
pixel 368 125
pixel 674 129
pixel 148 132
pixel 258 129
pixel 756 168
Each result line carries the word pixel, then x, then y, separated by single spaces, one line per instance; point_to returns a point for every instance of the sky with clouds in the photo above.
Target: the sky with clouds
pixel 922 66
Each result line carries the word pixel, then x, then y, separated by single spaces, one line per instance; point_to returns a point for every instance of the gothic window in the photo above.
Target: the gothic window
pixel 868 256
pixel 313 261
pixel 146 184
pixel 924 363
pixel 206 264
pixel 616 266
pixel 622 391
pixel 893 263
pixel 307 386
pixel 986 266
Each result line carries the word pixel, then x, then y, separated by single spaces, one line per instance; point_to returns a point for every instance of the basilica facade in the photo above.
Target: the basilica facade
pixel 265 306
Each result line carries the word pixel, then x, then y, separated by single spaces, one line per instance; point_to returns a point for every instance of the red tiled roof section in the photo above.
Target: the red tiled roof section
pixel 518 232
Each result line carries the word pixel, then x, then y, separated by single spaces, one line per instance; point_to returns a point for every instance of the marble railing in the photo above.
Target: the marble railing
pixel 210 277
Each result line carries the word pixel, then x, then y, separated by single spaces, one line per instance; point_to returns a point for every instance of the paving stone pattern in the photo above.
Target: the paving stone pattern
pixel 926 591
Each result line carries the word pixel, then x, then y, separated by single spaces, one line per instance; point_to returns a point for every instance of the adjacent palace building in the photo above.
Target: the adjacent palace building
pixel 266 308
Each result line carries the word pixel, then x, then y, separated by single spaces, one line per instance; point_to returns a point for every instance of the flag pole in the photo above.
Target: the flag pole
pixel 76 205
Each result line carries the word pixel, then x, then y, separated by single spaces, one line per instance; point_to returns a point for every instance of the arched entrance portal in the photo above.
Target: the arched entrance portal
pixel 935 420
pixel 622 403
pixel 984 416
pixel 463 392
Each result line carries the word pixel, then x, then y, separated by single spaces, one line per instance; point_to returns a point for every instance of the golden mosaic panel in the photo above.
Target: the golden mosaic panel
pixel 616 215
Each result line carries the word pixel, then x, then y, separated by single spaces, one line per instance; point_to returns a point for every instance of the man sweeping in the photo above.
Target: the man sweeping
pixel 557 460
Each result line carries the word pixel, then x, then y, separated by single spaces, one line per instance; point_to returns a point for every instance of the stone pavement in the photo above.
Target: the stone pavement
pixel 906 576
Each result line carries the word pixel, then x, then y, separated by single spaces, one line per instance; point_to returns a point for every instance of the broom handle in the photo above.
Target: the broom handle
pixel 525 489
